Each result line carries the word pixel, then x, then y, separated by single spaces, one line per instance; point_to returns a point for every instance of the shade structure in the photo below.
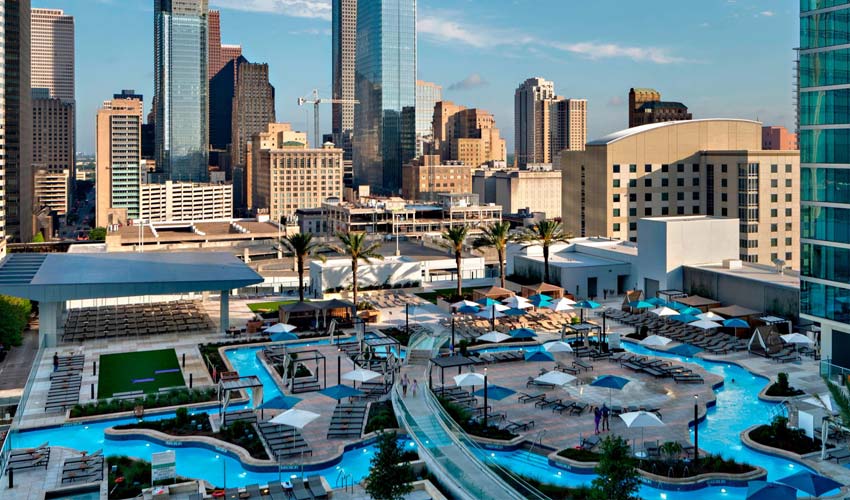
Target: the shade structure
pixel 684 318
pixel 823 400
pixel 489 313
pixel 517 302
pixel 710 316
pixel 560 305
pixel 693 311
pixel 663 312
pixel 361 375
pixel 587 304
pixel 796 338
pixel 522 333
pixel 280 403
pixel 494 337
pixel 558 346
pixel 811 483
pixel 496 392
pixel 655 340
pixel 280 328
pixel 514 312
pixel 340 392
pixel 735 323
pixel 469 379
pixel 656 301
pixel 677 306
pixel 458 305
pixel 686 350
pixel 640 304
pixel 468 309
pixel 705 324
pixel 280 337
pixel 762 490
pixel 295 418
pixel 487 301
pixel 610 381
pixel 540 300
pixel 642 420
pixel 539 356
pixel 555 378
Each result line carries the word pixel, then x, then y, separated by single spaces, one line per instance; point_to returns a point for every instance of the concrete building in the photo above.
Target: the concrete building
pixel 53 134
pixel 569 126
pixel 545 123
pixel 288 175
pixel 118 162
pixel 343 49
pixel 428 94
pixel 52 189
pixel 53 52
pixel 385 119
pixel 274 134
pixel 253 107
pixel 532 190
pixel 646 107
pixel 16 204
pixel 426 176
pixel 778 138
pixel 713 167
pixel 443 112
pixel 214 60
pixel 466 135
pixel 181 89
pixel 222 89
pixel 185 202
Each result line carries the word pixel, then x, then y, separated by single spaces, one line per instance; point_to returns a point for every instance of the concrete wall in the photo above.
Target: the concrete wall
pixel 574 279
pixel 779 300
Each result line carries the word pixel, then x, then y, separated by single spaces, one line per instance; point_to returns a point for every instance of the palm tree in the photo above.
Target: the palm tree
pixel 454 238
pixel 301 246
pixel 355 245
pixel 545 233
pixel 496 236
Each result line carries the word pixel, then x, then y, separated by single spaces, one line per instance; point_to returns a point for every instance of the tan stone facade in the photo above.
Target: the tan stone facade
pixel 51 189
pixel 425 176
pixel 118 160
pixel 467 135
pixel 701 167
pixel 513 190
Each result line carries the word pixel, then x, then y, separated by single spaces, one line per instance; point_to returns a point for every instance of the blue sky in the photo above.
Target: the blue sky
pixel 730 58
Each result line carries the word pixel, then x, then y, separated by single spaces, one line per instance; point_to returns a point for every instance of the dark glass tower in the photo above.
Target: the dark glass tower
pixel 385 85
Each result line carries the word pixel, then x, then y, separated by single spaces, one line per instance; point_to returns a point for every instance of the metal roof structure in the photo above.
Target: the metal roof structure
pixel 58 277
pixel 622 134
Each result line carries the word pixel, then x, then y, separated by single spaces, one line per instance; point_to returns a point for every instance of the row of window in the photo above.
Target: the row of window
pixel 830 185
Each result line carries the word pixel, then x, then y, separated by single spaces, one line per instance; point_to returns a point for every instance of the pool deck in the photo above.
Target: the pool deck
pixel 32 484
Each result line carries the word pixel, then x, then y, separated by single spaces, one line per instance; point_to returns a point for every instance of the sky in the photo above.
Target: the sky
pixel 723 58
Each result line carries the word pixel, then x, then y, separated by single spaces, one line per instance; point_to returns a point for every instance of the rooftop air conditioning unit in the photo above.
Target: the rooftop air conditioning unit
pixel 732 264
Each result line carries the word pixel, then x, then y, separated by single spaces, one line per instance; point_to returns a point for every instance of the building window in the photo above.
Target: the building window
pixel 724 183
pixel 680 196
pixel 788 242
pixel 647 168
pixel 774 198
pixel 665 182
pixel 695 168
pixel 724 197
pixel 665 168
pixel 616 169
pixel 788 168
pixel 632 226
pixel 774 212
pixel 616 212
pixel 616 227
pixel 633 212
pixel 788 197
pixel 695 209
pixel 632 197
pixel 680 210
pixel 787 212
pixel 680 167
pixel 632 183
pixel 787 183
pixel 647 182
pixel 647 197
pixel 616 198
pixel 724 212
pixel 632 168
pixel 788 255
pixel 696 181
pixel 647 212
pixel 616 183
pixel 665 210
pixel 680 182
pixel 774 183
pixel 696 195
pixel 724 168
pixel 665 196
pixel 774 228
pixel 774 242
pixel 774 169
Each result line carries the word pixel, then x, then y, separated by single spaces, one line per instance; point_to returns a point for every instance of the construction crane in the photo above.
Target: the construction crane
pixel 315 101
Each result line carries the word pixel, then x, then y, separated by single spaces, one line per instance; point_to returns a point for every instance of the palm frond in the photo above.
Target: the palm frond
pixel 841 399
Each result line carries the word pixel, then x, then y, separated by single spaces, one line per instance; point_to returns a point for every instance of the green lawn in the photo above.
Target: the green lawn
pixel 268 306
pixel 445 292
pixel 119 371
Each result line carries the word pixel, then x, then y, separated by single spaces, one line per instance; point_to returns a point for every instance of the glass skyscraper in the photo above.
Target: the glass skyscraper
pixel 180 87
pixel 824 123
pixel 385 85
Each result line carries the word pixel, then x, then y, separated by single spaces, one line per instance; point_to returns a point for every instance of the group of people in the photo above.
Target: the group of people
pixel 405 382
pixel 601 415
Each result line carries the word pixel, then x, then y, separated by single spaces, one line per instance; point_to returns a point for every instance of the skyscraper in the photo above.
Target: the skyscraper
pixel 428 94
pixel 531 124
pixel 53 143
pixel 253 107
pixel 53 52
pixel 222 89
pixel 569 126
pixel 118 161
pixel 343 47
pixel 16 206
pixel 214 59
pixel 181 85
pixel 824 135
pixel 385 85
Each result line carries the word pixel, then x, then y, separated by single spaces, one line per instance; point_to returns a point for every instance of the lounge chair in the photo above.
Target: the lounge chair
pixel 840 454
pixel 527 398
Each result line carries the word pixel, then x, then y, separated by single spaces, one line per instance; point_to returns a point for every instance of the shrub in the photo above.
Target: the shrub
pixel 14 317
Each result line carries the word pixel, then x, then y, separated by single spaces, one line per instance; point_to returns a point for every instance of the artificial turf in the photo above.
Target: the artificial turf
pixel 268 306
pixel 119 371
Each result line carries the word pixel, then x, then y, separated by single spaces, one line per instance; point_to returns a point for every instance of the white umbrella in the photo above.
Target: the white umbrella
pixel 642 419
pixel 295 418
pixel 494 337
pixel 796 338
pixel 517 302
pixel 558 346
pixel 655 340
pixel 361 375
pixel 710 316
pixel 705 324
pixel 664 311
pixel 489 314
pixel 469 303
pixel 561 305
pixel 469 379
pixel 280 328
pixel 555 378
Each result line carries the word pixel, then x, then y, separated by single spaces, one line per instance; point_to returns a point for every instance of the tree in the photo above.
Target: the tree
pixel 617 475
pixel 38 238
pixel 355 245
pixel 301 246
pixel 454 238
pixel 389 478
pixel 545 233
pixel 14 317
pixel 97 234
pixel 841 400
pixel 496 236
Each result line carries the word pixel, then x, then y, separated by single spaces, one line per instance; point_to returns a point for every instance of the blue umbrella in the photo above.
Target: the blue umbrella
pixel 280 403
pixel 340 392
pixel 610 381
pixel 540 300
pixel 467 310
pixel 657 301
pixel 762 490
pixel 539 356
pixel 277 337
pixel 640 304
pixel 685 318
pixel 513 312
pixel 677 306
pixel 522 333
pixel 587 304
pixel 811 483
pixel 686 350
pixel 487 301
pixel 691 310
pixel 496 392
pixel 736 323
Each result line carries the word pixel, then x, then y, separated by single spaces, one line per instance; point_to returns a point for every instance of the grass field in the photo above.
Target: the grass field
pixel 268 306
pixel 445 292
pixel 118 372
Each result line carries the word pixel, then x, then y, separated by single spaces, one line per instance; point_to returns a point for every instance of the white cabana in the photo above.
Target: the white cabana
pixel 494 337
pixel 555 378
pixel 295 418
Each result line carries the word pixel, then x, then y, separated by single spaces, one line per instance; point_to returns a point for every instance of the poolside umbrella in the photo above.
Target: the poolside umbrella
pixel 295 418
pixel 796 338
pixel 736 323
pixel 641 419
pixel 677 306
pixel 487 301
pixel 691 310
pixel 640 304
pixel 811 483
pixel 611 382
pixel 280 328
pixel 539 356
pixel 514 312
pixel 340 392
pixel 281 402
pixel 663 312
pixel 280 337
pixel 522 333
pixel 496 392
pixel 656 301
pixel 586 304
pixel 558 346
pixel 710 316
pixel 361 375
pixel 517 302
pixel 762 490
pixel 560 305
pixel 469 379
pixel 655 340
pixel 489 313
pixel 686 350
pixel 462 303
pixel 705 324
pixel 468 309
pixel 494 337
pixel 540 300
pixel 555 378
pixel 685 318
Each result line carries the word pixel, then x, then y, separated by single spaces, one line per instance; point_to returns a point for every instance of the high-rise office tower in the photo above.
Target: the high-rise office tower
pixel 222 90
pixel 16 206
pixel 118 161
pixel 214 59
pixel 229 53
pixel 253 107
pixel 53 52
pixel 824 135
pixel 465 135
pixel 343 46
pixel 569 126
pixel 385 85
pixel 428 94
pixel 531 121
pixel 181 85
pixel 52 147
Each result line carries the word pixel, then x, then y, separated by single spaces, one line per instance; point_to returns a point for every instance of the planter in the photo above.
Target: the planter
pixel 370 316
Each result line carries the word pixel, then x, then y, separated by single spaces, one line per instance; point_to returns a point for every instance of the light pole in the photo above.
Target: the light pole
pixel 453 334
pixel 395 228
pixel 696 431
pixel 485 398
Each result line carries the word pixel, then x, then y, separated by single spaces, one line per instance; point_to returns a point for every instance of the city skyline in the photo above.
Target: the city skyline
pixel 465 52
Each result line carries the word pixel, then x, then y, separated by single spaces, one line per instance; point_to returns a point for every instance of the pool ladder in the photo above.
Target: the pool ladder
pixel 345 480
pixel 537 441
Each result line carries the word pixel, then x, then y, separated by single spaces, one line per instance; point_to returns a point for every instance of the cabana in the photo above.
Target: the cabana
pixel 701 303
pixel 631 296
pixel 444 362
pixel 583 330
pixel 226 385
pixel 299 313
pixel 553 291
pixel 493 292
pixel 340 310
pixel 764 341
pixel 781 324
pixel 734 311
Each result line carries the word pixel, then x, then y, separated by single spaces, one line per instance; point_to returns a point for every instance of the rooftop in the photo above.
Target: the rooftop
pixel 663 104
pixel 629 132
pixel 756 272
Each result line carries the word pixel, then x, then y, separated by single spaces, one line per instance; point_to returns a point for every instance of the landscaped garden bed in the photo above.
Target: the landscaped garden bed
pixel 146 371
pixel 159 400
pixel 212 358
pixel 398 334
pixel 130 477
pixel 777 434
pixel 463 417
pixel 447 294
pixel 781 388
pixel 381 416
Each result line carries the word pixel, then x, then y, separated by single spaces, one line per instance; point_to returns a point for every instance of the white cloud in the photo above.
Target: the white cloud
pixel 316 9
pixel 767 13
pixel 616 101
pixel 470 82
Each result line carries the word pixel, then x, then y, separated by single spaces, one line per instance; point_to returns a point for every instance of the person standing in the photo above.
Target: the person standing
pixel 605 413
pixel 404 383
pixel 414 387
pixel 597 416
pixel 55 361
